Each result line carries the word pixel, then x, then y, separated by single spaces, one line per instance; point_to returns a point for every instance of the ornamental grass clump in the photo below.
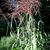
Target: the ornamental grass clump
pixel 25 37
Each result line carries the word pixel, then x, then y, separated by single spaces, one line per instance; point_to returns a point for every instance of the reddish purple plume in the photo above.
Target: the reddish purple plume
pixel 26 6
